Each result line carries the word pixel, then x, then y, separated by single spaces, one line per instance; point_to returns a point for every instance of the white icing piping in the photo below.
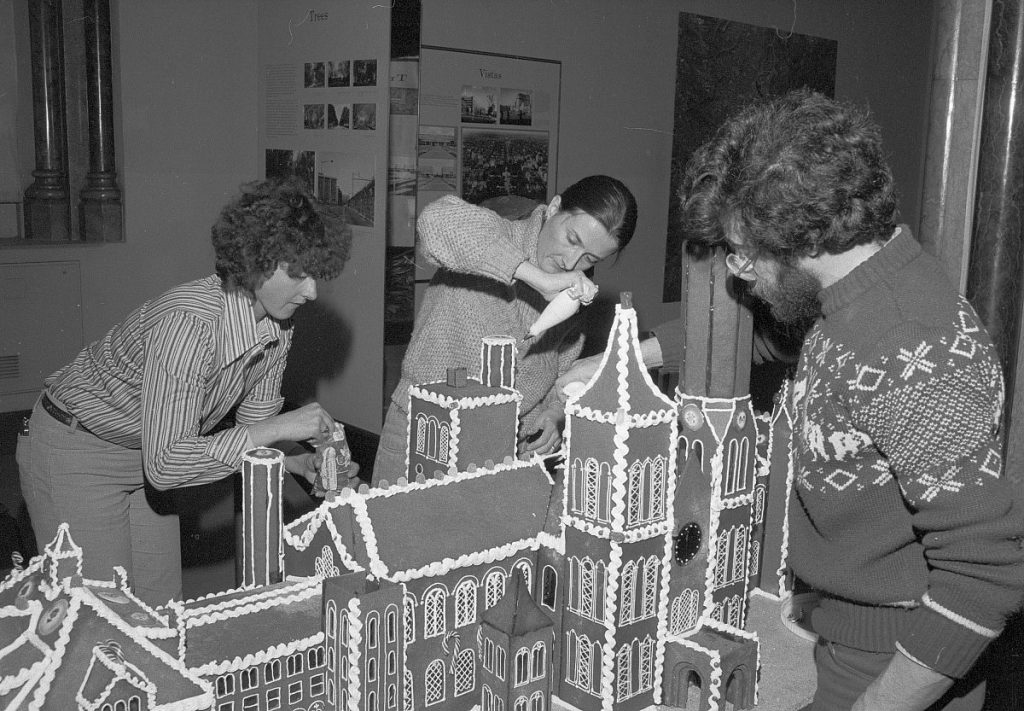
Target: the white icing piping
pixel 277 651
pixel 442 567
pixel 355 672
pixel 259 600
pixel 454 441
pixel 463 403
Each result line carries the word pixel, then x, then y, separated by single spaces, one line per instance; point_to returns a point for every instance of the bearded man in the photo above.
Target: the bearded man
pixel 901 518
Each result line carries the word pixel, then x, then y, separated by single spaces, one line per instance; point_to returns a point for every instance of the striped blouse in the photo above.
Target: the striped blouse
pixel 165 377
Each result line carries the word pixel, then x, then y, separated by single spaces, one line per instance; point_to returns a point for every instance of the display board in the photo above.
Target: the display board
pixel 488 129
pixel 323 115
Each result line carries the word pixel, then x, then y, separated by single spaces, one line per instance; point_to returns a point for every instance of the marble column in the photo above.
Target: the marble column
pixel 47 205
pixel 997 242
pixel 100 206
pixel 954 129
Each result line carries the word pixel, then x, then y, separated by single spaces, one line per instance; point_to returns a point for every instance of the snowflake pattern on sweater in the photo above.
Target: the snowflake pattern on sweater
pixel 955 374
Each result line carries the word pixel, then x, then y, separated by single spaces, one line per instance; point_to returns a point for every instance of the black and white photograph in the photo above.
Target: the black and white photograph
pixel 364 72
pixel 437 159
pixel 364 117
pixel 504 163
pixel 283 162
pixel 479 104
pixel 339 116
pixel 347 180
pixel 313 116
pixel 339 74
pixel 676 365
pixel 315 75
pixel 516 107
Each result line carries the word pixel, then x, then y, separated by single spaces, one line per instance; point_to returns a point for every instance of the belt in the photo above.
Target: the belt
pixel 61 416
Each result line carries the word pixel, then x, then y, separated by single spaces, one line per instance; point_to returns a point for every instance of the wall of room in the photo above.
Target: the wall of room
pixel 618 90
pixel 186 80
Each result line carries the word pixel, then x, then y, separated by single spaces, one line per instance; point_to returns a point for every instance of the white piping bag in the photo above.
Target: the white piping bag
pixel 564 305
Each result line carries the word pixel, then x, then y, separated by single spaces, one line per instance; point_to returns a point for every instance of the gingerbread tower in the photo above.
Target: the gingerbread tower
pixel 709 585
pixel 621 434
pixel 261 517
pixel 451 422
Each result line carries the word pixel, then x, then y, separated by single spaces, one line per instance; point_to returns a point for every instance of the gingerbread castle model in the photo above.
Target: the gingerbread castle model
pixel 620 585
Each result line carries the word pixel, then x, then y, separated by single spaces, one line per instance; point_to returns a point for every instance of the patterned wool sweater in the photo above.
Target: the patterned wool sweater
pixel 474 294
pixel 901 517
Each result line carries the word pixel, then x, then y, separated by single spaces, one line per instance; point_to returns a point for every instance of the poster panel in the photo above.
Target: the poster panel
pixel 323 116
pixel 488 130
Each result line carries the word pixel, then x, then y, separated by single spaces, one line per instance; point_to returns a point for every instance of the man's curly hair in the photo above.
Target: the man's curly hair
pixel 796 176
pixel 274 222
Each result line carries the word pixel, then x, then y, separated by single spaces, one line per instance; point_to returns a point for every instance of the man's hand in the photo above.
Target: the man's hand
pixel 905 685
pixel 546 437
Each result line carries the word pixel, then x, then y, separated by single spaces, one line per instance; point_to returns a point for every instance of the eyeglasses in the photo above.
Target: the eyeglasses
pixel 739 264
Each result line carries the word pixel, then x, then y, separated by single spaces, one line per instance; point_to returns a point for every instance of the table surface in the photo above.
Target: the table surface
pixel 787 660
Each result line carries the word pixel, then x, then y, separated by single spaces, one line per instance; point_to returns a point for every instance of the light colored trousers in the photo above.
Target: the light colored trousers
pixel 99 489
pixel 844 673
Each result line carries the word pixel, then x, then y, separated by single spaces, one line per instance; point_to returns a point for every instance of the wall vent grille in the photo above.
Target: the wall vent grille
pixel 10 367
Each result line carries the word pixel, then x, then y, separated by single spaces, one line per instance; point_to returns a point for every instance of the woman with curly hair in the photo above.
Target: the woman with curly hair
pixel 134 414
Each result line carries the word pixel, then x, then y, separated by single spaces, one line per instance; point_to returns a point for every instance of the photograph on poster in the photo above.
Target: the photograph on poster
pixel 437 153
pixel 403 101
pixel 284 162
pixel 402 175
pixel 497 163
pixel 516 107
pixel 479 104
pixel 339 73
pixel 314 75
pixel 313 116
pixel 347 180
pixel 364 117
pixel 364 72
pixel 339 116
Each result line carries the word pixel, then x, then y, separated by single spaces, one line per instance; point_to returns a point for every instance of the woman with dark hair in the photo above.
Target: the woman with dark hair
pixel 495 277
pixel 135 412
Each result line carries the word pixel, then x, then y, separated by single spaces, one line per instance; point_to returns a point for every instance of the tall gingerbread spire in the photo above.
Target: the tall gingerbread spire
pixel 621 434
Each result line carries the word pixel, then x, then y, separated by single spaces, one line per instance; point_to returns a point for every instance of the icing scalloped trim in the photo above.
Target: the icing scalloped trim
pixel 259 600
pixel 354 645
pixel 610 615
pixel 463 403
pixel 362 516
pixel 277 651
pixel 641 533
pixel 442 567
pixel 634 421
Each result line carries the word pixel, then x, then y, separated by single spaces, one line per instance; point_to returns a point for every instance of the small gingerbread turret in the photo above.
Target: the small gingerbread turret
pixel 260 546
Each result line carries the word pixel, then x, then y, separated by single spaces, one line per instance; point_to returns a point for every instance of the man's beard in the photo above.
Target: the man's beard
pixel 792 296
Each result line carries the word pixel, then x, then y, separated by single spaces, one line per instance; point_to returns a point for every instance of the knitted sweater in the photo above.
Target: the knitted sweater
pixel 901 517
pixel 474 294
